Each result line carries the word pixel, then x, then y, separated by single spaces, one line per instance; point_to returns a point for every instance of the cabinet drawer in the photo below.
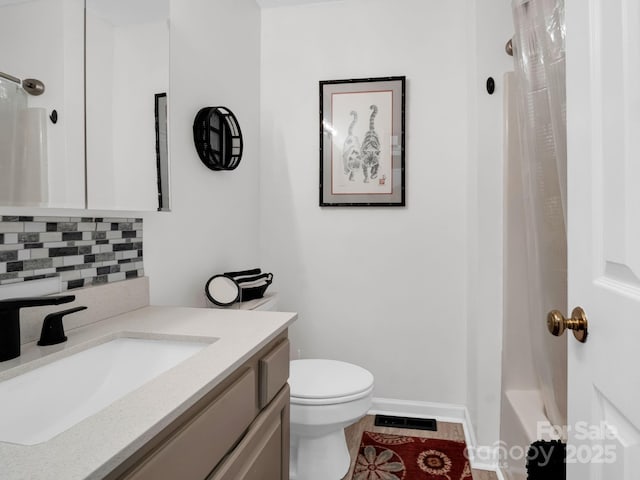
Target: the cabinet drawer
pixel 273 372
pixel 263 453
pixel 198 446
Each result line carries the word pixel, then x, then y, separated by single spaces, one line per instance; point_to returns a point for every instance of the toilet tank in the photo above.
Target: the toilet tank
pixel 267 303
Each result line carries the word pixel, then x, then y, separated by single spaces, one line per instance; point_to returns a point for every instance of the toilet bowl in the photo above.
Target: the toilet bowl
pixel 326 397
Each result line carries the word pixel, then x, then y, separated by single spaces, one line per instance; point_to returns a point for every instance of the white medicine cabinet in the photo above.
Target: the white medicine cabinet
pixel 117 100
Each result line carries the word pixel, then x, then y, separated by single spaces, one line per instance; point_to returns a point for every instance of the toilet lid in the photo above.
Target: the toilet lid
pixel 324 379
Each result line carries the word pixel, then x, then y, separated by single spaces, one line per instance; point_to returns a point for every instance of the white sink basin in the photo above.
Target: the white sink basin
pixel 46 401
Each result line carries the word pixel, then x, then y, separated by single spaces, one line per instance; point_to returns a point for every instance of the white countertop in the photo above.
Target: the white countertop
pixel 95 446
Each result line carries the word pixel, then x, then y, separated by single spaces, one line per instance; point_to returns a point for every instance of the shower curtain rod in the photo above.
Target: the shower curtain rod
pixel 30 85
pixel 509 47
pixel 11 78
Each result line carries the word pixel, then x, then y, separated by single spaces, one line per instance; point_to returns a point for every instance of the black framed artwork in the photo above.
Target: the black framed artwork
pixel 362 128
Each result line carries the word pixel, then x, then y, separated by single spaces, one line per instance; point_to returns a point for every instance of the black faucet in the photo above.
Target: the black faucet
pixel 53 329
pixel 10 320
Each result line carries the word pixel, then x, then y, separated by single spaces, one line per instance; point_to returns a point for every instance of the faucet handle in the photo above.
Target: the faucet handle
pixel 53 329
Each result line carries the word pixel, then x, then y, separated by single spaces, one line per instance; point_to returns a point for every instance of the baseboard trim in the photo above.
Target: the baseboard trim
pixel 443 412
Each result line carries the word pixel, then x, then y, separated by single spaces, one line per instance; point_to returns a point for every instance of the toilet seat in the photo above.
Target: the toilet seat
pixel 331 400
pixel 327 382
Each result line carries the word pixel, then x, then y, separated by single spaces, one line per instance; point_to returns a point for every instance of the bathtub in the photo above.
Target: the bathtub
pixel 523 422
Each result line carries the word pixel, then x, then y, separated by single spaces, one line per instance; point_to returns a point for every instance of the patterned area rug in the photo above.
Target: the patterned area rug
pixel 396 457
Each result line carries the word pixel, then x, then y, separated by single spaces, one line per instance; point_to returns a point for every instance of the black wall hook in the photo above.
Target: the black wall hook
pixel 491 85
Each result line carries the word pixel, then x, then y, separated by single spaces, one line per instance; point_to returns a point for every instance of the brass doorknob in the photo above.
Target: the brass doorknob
pixel 557 323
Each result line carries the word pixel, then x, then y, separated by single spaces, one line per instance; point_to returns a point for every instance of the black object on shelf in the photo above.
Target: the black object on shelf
pixel 222 290
pixel 218 138
pixel 231 287
pixel 253 286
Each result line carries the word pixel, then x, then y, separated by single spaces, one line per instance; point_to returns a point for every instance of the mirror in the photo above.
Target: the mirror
pixel 42 138
pixel 127 80
pixel 42 161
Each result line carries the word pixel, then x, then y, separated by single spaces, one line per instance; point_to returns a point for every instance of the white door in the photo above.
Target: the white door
pixel 603 119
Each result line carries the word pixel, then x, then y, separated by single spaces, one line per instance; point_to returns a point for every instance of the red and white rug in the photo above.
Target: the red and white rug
pixel 398 457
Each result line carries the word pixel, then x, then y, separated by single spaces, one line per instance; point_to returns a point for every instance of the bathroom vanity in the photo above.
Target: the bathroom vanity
pixel 221 414
pixel 249 410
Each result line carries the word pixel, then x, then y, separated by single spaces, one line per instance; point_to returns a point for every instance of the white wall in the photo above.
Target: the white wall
pixel 213 225
pixel 381 287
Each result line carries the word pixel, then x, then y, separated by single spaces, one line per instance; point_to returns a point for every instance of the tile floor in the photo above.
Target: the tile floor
pixel 446 431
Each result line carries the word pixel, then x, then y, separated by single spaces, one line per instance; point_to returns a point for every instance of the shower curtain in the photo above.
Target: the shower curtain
pixel 13 102
pixel 539 56
pixel 23 149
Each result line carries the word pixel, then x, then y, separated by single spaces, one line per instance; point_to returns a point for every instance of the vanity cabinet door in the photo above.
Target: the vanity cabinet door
pixel 239 430
pixel 197 447
pixel 273 372
pixel 263 453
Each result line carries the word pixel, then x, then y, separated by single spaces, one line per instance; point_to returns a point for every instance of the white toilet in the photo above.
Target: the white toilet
pixel 326 397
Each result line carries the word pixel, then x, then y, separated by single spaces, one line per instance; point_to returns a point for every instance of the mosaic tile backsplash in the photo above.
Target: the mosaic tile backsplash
pixel 82 251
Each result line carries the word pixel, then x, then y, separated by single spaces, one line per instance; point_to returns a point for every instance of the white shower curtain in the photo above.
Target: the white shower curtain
pixel 539 55
pixel 24 178
pixel 13 102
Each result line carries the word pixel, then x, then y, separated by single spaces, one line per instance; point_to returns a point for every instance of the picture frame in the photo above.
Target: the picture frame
pixel 362 138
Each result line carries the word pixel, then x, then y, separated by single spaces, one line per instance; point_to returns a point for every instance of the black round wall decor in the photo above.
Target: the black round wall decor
pixel 218 138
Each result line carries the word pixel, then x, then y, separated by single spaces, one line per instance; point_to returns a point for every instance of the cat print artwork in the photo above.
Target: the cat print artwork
pixel 366 157
pixel 351 150
pixel 370 151
pixel 361 147
pixel 362 142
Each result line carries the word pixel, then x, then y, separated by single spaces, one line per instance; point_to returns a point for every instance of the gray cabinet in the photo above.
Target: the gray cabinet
pixel 237 431
pixel 263 452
